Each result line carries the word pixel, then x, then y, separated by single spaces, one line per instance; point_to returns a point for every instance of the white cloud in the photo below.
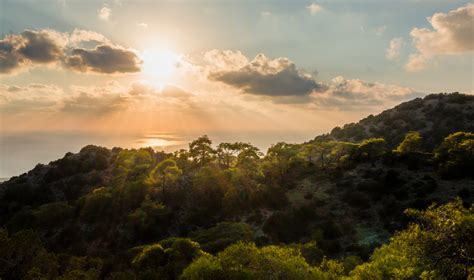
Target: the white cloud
pixel 265 13
pixel 356 94
pixel 314 8
pixel 451 34
pixel 393 51
pixel 30 98
pixel 78 36
pixel 104 13
pixel 416 62
pixel 143 24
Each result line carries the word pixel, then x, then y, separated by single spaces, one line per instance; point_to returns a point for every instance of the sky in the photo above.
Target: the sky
pixel 158 73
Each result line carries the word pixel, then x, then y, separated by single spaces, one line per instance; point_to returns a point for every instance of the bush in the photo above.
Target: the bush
pixel 217 238
pixel 246 261
pixel 166 259
pixel 53 214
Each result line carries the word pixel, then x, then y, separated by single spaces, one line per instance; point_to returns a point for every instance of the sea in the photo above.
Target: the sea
pixel 22 151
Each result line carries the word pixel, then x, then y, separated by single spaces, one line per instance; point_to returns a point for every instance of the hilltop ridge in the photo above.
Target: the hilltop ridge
pixel 435 116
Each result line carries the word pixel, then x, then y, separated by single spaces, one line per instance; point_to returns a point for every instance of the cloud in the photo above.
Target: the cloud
pixel 261 76
pixel 73 50
pixel 451 34
pixel 43 46
pixel 356 94
pixel 104 13
pixel 143 25
pixel 85 103
pixel 380 30
pixel 393 51
pixel 40 47
pixel 416 62
pixel 104 59
pixel 9 58
pixel 79 36
pixel 314 8
pixel 30 98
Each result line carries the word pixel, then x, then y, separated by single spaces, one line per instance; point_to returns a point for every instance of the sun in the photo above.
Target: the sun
pixel 160 64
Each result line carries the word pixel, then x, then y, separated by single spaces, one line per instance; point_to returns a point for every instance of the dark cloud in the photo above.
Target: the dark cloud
pixel 263 76
pixel 9 58
pixel 104 59
pixel 18 51
pixel 40 46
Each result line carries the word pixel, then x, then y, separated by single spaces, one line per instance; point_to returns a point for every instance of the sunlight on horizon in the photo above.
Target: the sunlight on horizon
pixel 158 141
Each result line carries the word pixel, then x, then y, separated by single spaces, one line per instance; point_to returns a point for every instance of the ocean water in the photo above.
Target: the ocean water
pixel 20 152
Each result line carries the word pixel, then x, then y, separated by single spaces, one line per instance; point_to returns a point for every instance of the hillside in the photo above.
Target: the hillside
pixel 435 116
pixel 340 196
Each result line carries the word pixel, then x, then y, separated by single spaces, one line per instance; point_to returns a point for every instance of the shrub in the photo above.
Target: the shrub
pixel 217 238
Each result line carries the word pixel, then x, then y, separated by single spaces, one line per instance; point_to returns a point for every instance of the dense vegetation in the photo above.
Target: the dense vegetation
pixel 315 210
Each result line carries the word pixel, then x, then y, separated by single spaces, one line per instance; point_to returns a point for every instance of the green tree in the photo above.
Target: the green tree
pixel 53 214
pixel 23 256
pixel 411 144
pixel 165 259
pixel 149 221
pixel 438 245
pixel 455 155
pixel 372 148
pixel 319 152
pixel 97 205
pixel 217 238
pixel 247 261
pixel 201 150
pixel 165 173
pixel 280 156
pixel 209 186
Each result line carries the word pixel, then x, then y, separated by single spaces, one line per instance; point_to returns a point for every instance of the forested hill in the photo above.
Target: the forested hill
pixel 227 211
pixel 435 116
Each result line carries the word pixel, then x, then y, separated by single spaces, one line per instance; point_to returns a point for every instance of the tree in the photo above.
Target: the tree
pixel 23 256
pixel 455 155
pixel 165 259
pixel 438 245
pixel 96 205
pixel 209 186
pixel 280 156
pixel 201 151
pixel 319 152
pixel 246 261
pixel 149 221
pixel 217 238
pixel 227 153
pixel 411 144
pixel 165 173
pixel 371 148
pixel 238 154
pixel 53 214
